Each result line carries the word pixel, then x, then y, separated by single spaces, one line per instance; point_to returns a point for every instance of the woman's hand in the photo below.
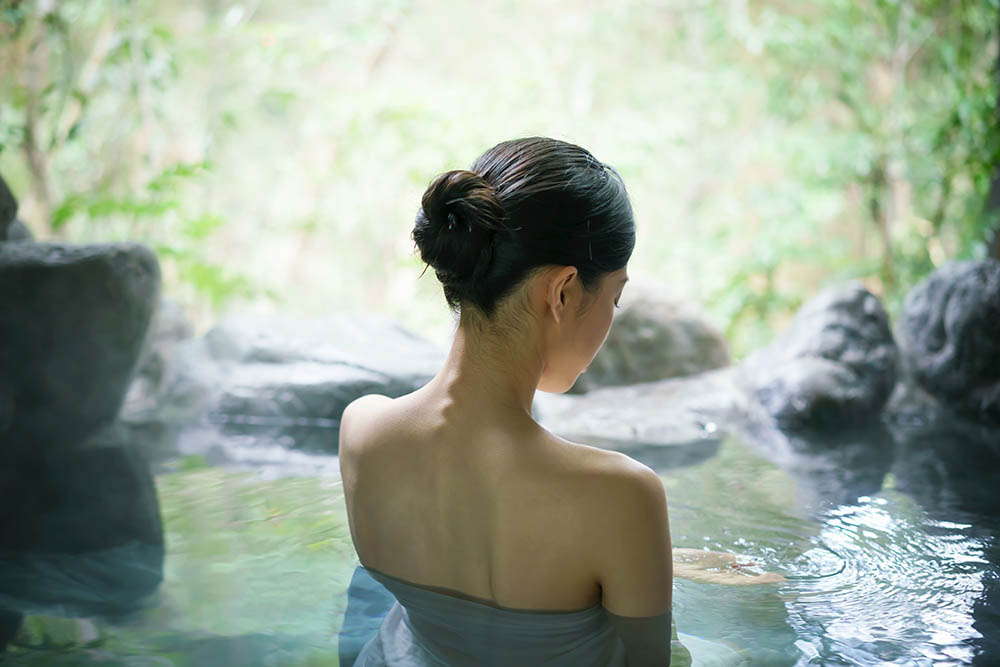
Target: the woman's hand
pixel 716 567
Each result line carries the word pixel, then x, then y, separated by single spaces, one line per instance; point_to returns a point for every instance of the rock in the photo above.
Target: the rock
pixel 834 367
pixel 170 326
pixel 654 337
pixel 79 517
pixel 94 497
pixel 683 421
pixel 279 383
pixel 71 330
pixel 141 419
pixel 8 208
pixel 11 229
pixel 949 332
pixel 368 342
pixel 674 422
pixel 18 231
pixel 289 382
pixel 79 530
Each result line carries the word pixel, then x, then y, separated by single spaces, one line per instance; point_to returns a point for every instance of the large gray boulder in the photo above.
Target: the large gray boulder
pixel 834 367
pixel 72 327
pixel 270 384
pixel 79 518
pixel 654 337
pixel 949 332
pixel 672 422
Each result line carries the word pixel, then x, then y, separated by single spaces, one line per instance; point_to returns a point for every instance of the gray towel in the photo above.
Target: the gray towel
pixel 424 627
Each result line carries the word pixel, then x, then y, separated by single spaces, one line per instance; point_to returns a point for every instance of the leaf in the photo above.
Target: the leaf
pixel 66 210
pixel 202 227
pixel 171 175
pixel 163 33
pixel 171 251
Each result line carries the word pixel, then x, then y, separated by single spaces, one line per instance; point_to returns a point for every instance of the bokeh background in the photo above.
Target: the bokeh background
pixel 273 153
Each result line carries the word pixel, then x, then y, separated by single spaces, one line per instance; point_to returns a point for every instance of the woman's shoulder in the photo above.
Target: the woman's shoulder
pixel 359 420
pixel 365 405
pixel 610 486
pixel 628 533
pixel 611 467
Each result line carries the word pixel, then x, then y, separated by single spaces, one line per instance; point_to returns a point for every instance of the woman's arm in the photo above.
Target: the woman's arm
pixel 635 565
pixel 646 639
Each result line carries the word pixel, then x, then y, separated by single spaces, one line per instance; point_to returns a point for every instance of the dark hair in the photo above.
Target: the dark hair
pixel 523 204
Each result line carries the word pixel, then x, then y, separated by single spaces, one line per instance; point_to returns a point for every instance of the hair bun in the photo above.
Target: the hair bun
pixel 454 229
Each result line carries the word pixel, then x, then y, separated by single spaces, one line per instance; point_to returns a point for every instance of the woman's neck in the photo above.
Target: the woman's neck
pixel 489 376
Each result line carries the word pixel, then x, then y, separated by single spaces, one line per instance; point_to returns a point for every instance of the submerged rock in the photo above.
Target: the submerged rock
pixel 834 367
pixel 71 330
pixel 950 336
pixel 654 337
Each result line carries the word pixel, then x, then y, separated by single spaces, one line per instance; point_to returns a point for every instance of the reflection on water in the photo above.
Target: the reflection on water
pixel 905 591
pixel 258 565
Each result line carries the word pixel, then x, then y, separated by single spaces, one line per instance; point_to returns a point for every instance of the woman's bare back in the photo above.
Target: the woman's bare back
pixel 505 513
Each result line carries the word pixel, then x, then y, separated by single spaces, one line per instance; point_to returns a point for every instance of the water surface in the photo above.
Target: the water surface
pixel 259 560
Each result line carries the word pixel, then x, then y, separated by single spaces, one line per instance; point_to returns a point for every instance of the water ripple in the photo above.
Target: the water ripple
pixel 905 587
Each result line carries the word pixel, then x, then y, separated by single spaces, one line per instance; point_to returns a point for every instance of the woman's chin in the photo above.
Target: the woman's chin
pixel 557 388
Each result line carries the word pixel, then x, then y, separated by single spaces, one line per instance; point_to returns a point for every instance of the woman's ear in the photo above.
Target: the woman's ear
pixel 558 292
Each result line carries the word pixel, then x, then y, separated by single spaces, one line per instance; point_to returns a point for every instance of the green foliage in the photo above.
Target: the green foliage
pixel 104 70
pixel 771 148
pixel 889 109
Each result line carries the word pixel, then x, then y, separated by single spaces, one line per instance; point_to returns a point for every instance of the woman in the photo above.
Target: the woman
pixel 504 543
